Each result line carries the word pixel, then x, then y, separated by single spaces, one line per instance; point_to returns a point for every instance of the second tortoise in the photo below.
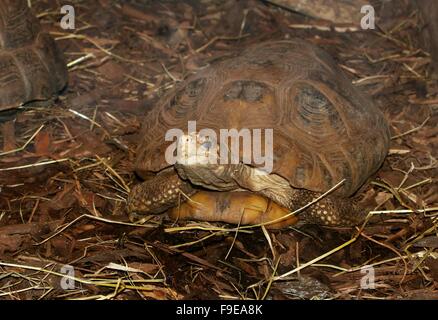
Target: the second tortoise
pixel 32 68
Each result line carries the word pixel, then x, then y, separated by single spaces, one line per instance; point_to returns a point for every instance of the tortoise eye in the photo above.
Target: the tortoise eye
pixel 207 144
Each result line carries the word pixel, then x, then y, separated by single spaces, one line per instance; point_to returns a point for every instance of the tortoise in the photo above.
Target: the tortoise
pixel 31 66
pixel 324 131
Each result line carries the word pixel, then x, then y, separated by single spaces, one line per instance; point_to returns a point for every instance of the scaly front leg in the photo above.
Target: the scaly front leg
pixel 163 191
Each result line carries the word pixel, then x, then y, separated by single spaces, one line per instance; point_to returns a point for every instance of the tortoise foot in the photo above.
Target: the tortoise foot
pixel 329 211
pixel 158 194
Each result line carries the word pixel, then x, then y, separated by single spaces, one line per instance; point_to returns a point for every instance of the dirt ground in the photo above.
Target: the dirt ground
pixel 66 167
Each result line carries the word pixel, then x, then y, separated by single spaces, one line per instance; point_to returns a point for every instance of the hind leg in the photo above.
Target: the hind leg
pixel 329 211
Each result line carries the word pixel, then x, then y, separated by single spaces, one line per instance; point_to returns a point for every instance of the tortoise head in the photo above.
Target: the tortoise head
pixel 196 148
pixel 197 161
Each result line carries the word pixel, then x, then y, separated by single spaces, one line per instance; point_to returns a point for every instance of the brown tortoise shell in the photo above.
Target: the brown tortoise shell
pixel 324 129
pixel 31 66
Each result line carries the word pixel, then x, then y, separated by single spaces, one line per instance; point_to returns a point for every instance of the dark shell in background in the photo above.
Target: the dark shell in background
pixel 31 65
